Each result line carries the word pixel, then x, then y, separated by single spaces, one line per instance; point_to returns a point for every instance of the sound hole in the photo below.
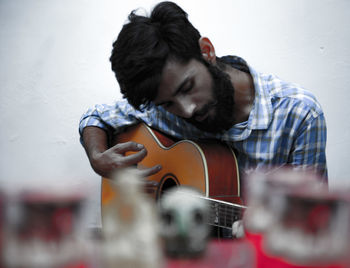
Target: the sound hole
pixel 167 182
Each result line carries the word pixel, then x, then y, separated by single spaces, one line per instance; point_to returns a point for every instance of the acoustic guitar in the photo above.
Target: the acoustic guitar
pixel 209 167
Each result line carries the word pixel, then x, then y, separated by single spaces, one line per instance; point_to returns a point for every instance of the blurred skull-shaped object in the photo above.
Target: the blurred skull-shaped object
pixel 184 217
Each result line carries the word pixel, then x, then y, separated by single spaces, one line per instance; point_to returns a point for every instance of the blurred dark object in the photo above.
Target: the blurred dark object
pixel 40 230
pixel 2 215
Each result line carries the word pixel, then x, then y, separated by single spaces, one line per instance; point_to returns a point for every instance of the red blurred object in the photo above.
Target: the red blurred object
pixel 45 217
pixel 263 259
pixel 41 230
pixel 244 253
pixel 78 265
pixel 224 253
pixel 293 220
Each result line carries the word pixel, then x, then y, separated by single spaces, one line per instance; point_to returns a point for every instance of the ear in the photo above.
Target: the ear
pixel 207 49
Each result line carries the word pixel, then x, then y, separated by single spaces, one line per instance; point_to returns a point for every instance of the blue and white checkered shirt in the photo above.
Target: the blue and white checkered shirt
pixel 286 125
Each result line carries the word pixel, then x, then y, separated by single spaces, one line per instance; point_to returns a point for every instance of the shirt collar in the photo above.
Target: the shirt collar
pixel 261 114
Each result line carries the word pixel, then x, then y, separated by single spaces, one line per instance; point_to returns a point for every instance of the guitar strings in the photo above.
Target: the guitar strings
pixel 225 218
pixel 224 215
pixel 226 209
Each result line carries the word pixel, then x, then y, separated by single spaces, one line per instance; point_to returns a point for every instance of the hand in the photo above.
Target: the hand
pixel 104 163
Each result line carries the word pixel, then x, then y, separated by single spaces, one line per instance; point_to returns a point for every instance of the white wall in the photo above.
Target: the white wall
pixel 54 65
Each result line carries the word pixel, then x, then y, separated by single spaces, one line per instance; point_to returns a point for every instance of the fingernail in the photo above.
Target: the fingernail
pixel 140 146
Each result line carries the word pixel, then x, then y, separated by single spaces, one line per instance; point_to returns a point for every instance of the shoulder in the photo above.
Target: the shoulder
pixel 291 96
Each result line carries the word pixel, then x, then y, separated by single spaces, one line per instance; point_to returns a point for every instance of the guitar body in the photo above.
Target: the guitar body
pixel 209 167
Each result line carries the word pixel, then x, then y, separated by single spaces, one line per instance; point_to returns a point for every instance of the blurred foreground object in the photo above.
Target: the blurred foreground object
pixel 264 190
pixel 40 229
pixel 219 254
pixel 129 233
pixel 293 217
pixel 310 227
pixel 238 229
pixel 184 217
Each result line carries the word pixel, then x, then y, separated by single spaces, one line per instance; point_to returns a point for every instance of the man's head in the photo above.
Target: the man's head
pixel 145 44
pixel 161 57
pixel 198 91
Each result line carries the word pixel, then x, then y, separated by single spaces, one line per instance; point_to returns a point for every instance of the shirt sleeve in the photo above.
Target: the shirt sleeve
pixel 309 151
pixel 115 117
pixel 110 117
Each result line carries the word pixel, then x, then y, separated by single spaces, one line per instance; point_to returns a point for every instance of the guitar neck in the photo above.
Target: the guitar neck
pixel 223 214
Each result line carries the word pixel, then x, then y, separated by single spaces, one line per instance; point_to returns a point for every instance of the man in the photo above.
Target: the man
pixel 174 82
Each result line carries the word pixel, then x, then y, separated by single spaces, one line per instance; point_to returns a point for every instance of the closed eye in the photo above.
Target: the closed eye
pixel 185 87
pixel 188 87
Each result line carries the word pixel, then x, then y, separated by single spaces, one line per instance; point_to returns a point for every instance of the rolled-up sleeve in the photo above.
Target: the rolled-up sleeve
pixel 109 117
pixel 93 117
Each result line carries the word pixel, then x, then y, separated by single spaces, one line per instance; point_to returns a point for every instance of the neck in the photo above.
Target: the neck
pixel 244 94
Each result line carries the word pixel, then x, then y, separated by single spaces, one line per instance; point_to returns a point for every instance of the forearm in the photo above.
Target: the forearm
pixel 98 125
pixel 95 141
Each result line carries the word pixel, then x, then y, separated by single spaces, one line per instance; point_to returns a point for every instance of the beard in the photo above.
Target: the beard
pixel 223 104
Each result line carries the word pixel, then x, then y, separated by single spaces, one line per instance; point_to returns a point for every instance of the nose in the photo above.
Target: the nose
pixel 186 108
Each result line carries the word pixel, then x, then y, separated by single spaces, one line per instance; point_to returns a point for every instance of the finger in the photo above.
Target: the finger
pixel 151 183
pixel 127 146
pixel 132 159
pixel 151 186
pixel 145 172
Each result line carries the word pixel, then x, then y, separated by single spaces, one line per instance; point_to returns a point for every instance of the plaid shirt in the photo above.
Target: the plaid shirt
pixel 286 125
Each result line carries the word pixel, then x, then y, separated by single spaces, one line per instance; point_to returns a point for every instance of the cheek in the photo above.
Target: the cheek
pixel 204 93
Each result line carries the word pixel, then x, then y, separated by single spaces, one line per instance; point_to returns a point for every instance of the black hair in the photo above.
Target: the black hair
pixel 145 44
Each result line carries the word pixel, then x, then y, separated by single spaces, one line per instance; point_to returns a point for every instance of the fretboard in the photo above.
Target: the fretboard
pixel 223 214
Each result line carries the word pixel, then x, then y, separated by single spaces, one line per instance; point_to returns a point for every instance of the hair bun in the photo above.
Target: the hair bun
pixel 167 12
